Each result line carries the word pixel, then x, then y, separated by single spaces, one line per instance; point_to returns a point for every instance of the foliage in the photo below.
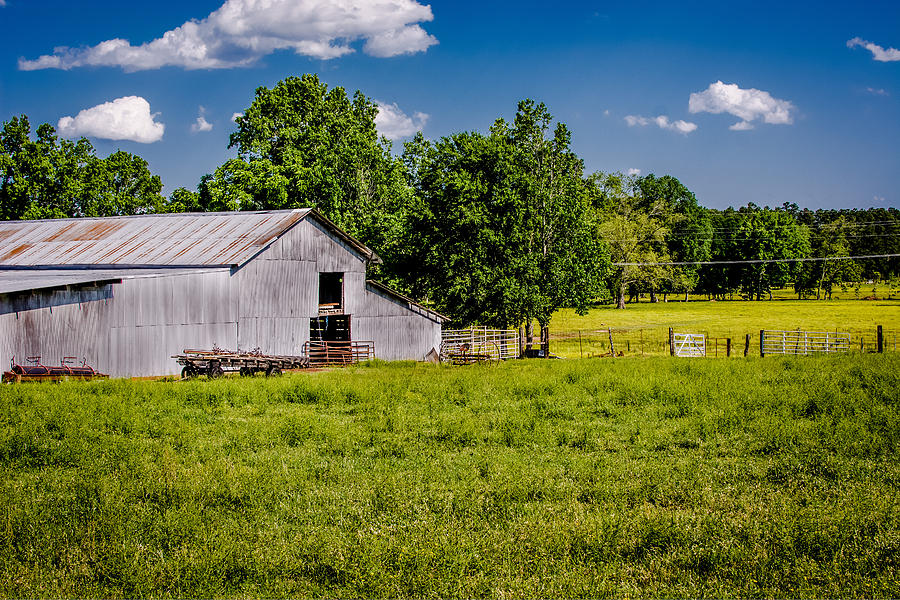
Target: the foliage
pixel 657 478
pixel 501 230
pixel 302 144
pixel 650 220
pixel 49 178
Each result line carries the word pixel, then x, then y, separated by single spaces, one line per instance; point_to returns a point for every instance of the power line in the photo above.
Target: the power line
pixel 748 262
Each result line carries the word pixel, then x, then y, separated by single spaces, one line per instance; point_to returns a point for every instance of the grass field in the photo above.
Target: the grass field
pixel 727 319
pixel 654 478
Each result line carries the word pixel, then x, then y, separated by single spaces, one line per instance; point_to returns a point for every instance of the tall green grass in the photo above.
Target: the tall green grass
pixel 656 477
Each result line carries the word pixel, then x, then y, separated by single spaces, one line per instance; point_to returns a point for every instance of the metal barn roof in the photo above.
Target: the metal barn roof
pixel 186 239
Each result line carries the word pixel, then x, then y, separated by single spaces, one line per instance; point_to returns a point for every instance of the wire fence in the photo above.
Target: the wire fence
pixel 654 341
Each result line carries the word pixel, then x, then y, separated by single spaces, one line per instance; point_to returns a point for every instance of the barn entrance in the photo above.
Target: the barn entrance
pixel 330 328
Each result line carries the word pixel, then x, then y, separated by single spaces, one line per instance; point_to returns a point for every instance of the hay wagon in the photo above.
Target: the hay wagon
pixel 215 363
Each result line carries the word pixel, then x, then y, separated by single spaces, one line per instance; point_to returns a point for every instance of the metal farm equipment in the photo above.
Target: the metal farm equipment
pixel 215 363
pixel 36 371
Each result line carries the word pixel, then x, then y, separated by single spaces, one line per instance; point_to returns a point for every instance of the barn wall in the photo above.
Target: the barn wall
pixel 279 288
pixel 126 329
pixel 398 332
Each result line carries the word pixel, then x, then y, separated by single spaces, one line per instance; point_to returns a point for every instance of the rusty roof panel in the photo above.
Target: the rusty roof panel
pixel 195 239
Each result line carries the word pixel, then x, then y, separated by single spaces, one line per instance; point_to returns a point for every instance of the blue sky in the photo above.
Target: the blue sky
pixel 764 102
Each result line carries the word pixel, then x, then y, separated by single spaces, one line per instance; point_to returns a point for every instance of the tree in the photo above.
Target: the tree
pixel 829 241
pixel 637 219
pixel 302 144
pixel 689 237
pixel 501 222
pixel 48 177
pixel 766 235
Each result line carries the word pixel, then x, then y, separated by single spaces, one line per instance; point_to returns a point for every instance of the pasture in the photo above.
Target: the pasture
pixel 723 319
pixel 656 478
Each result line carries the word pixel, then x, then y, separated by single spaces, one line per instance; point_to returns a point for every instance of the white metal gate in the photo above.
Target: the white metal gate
pixel 804 342
pixel 481 343
pixel 690 344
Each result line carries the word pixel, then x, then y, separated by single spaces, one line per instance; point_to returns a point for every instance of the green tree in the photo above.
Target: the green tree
pixel 689 237
pixel 821 277
pixel 302 144
pixel 501 222
pixel 770 235
pixel 49 178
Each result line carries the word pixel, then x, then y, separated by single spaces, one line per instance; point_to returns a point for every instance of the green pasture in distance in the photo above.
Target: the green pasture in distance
pixel 662 477
pixel 721 319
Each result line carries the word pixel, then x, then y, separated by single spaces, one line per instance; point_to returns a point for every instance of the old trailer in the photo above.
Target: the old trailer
pixel 215 363
pixel 36 371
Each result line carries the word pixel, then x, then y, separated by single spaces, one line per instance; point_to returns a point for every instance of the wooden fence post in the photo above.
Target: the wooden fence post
pixel 611 349
pixel 521 342
pixel 728 347
pixel 671 342
pixel 880 340
pixel 580 351
pixel 545 340
pixel 747 345
pixel 762 349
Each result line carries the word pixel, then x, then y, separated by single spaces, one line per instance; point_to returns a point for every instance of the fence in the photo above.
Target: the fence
pixel 655 341
pixel 689 344
pixel 338 353
pixel 477 344
pixel 802 342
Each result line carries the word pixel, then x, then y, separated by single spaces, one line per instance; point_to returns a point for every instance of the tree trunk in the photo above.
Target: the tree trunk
pixel 529 334
pixel 621 304
pixel 653 298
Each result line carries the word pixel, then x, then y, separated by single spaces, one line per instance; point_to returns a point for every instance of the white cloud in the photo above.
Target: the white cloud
pixel 394 124
pixel 606 113
pixel 234 117
pixel 662 122
pixel 634 172
pixel 241 32
pixel 633 120
pixel 679 125
pixel 878 53
pixel 741 126
pixel 127 118
pixel 201 124
pixel 877 91
pixel 746 104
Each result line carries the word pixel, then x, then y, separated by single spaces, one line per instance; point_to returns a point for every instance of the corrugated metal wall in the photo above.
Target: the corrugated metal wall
pixel 398 332
pixel 132 328
pixel 126 329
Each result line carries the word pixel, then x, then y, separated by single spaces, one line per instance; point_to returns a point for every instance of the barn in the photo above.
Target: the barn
pixel 126 293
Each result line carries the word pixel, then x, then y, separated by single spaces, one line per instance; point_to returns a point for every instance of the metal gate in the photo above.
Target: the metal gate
pixel 689 344
pixel 803 342
pixel 479 344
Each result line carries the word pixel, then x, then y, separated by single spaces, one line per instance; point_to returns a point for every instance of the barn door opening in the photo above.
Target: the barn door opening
pixel 331 293
pixel 330 328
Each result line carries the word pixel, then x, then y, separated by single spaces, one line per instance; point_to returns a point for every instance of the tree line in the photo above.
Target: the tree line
pixel 497 228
